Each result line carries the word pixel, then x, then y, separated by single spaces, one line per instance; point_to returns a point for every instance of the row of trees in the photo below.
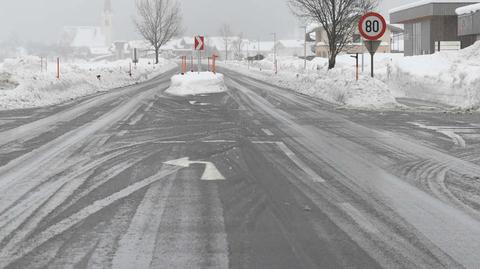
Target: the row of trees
pixel 158 21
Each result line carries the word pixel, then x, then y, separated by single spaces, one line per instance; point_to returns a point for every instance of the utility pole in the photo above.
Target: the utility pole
pixel 58 67
pixel 305 47
pixel 248 54
pixel 275 52
pixel 258 48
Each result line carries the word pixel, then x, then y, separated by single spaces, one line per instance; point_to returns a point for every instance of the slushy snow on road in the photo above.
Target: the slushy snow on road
pixel 195 83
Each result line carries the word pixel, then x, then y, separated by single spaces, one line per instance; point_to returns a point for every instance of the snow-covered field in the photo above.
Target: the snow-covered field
pixel 451 78
pixel 193 83
pixel 24 85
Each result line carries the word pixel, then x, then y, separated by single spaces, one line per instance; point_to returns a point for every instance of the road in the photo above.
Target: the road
pixel 258 177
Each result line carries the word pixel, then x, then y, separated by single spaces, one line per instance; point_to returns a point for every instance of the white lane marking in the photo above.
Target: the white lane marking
pixel 257 122
pixel 265 142
pixel 219 141
pixel 210 173
pixel 447 131
pixel 186 142
pixel 359 218
pixel 122 133
pixel 136 119
pixel 267 132
pixel 137 246
pixel 312 174
pixel 290 154
pixel 149 107
pixel 198 104
pixel 11 252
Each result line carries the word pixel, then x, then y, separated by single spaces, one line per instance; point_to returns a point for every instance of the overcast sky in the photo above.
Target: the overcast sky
pixel 42 20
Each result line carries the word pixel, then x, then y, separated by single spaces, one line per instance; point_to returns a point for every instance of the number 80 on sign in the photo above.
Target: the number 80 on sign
pixel 372 26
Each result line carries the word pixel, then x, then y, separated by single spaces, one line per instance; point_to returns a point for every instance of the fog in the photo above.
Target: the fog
pixel 42 20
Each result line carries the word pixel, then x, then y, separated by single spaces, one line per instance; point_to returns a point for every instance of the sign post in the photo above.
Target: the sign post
pixel 372 26
pixel 135 57
pixel 356 65
pixel 199 47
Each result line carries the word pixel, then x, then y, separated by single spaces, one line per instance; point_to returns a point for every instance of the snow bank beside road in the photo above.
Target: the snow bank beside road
pixel 336 86
pixel 25 86
pixel 451 78
pixel 194 83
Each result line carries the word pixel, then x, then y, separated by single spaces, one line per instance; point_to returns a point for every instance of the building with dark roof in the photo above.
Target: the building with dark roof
pixel 428 23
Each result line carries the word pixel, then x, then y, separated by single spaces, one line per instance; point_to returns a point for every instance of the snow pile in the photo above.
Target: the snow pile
pixel 451 78
pixel 194 83
pixel 337 86
pixel 24 85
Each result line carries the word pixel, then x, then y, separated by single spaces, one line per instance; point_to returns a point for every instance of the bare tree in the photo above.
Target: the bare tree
pixel 237 45
pixel 225 31
pixel 337 17
pixel 158 22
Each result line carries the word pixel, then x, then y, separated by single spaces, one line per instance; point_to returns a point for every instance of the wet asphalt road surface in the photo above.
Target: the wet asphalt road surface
pixel 258 177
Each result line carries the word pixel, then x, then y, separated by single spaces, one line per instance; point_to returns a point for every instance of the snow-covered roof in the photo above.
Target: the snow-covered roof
pixel 292 43
pixel 87 36
pixel 90 37
pixel 312 26
pixel 426 2
pixel 468 9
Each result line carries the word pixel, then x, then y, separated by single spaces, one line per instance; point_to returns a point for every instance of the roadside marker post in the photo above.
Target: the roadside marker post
pixel 214 65
pixel 184 65
pixel 372 27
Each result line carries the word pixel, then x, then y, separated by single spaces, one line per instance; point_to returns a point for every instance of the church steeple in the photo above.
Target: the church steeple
pixel 107 19
pixel 107 6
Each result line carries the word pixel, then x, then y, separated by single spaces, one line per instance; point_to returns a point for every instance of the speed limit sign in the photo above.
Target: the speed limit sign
pixel 372 26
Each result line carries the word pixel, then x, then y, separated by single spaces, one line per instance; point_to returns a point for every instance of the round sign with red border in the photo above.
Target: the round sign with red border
pixel 372 26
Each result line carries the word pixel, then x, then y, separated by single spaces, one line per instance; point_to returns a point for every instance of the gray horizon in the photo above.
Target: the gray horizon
pixel 42 21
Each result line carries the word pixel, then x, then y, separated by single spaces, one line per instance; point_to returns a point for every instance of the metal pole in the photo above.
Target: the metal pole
pixel 275 53
pixel 248 54
pixel 58 67
pixel 372 65
pixel 363 62
pixel 305 49
pixel 199 53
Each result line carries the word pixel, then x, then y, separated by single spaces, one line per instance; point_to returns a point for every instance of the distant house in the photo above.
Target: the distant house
pixel 292 48
pixel 391 41
pixel 89 39
pixel 469 22
pixel 428 23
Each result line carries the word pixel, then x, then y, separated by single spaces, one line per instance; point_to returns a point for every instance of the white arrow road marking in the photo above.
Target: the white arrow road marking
pixel 211 172
pixel 267 132
pixel 447 131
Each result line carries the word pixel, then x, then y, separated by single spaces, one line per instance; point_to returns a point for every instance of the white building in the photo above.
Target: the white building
pixel 91 40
